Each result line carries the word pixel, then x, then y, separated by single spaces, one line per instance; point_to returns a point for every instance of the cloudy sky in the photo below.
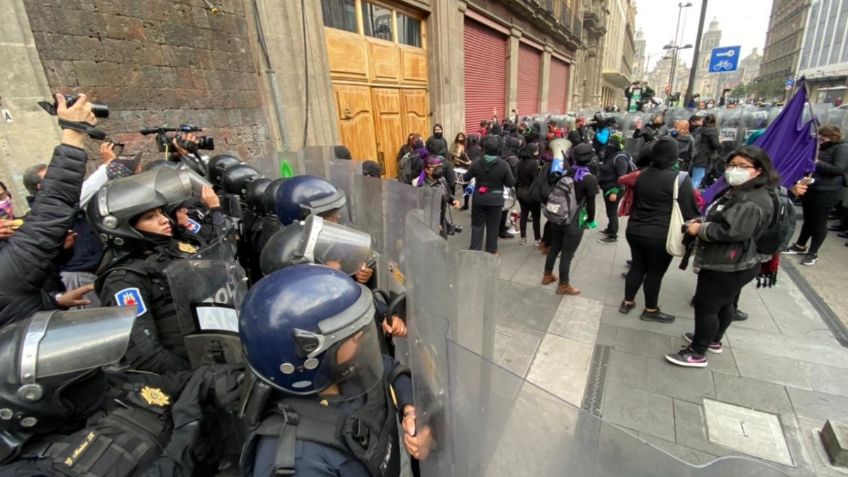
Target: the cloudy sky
pixel 742 22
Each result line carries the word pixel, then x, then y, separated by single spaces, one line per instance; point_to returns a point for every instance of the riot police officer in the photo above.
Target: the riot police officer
pixel 62 413
pixel 129 216
pixel 325 399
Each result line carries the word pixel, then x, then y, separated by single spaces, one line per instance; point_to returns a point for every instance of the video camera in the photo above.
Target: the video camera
pixel 99 111
pixel 165 141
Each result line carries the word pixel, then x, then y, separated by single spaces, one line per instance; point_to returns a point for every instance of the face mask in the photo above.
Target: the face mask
pixel 736 176
pixel 437 134
pixel 603 136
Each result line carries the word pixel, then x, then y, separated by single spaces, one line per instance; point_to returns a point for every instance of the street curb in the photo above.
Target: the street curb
pixel 839 330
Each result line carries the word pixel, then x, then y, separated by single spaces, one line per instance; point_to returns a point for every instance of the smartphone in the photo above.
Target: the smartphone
pixel 807 181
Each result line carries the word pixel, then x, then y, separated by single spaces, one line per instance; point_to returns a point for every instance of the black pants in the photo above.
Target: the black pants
pixel 527 209
pixel 565 239
pixel 650 262
pixel 485 219
pixel 503 229
pixel 546 233
pixel 612 215
pixel 817 206
pixel 714 308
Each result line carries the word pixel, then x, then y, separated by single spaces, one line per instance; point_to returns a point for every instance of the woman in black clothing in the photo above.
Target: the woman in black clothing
pixel 492 175
pixel 566 238
pixel 528 168
pixel 708 146
pixel 612 166
pixel 436 144
pixel 726 256
pixel 647 228
pixel 823 193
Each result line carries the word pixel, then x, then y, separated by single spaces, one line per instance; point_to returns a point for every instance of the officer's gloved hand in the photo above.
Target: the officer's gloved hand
pixel 221 385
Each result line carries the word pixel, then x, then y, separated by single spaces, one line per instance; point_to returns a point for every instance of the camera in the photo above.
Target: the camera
pixel 163 140
pixel 99 110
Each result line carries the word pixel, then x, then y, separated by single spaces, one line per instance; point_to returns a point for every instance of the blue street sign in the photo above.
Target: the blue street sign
pixel 724 59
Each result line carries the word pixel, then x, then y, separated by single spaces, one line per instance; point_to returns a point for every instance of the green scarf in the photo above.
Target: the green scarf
pixel 489 159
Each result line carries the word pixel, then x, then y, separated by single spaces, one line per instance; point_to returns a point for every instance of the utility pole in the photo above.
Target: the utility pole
pixel 691 84
pixel 675 48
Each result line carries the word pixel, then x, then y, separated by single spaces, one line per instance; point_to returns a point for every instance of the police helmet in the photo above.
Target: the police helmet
pixel 218 164
pixel 269 199
pixel 255 196
pixel 301 196
pixel 307 327
pixel 113 208
pixel 236 178
pixel 316 240
pixel 51 364
pixel 160 163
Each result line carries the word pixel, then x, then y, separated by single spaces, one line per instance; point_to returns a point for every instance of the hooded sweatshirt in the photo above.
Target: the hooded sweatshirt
pixel 437 145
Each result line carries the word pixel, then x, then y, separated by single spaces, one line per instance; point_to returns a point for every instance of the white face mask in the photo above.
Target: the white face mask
pixel 736 176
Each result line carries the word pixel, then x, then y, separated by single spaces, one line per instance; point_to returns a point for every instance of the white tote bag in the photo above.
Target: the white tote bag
pixel 674 239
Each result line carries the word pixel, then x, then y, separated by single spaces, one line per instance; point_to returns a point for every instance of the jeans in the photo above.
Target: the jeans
pixel 485 219
pixel 612 215
pixel 816 205
pixel 650 262
pixel 565 239
pixel 528 208
pixel 697 174
pixel 714 304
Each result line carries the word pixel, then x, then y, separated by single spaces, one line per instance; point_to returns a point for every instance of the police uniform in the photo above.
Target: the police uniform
pixel 156 343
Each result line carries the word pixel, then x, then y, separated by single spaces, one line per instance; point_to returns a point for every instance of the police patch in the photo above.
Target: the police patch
pixel 131 297
pixel 193 226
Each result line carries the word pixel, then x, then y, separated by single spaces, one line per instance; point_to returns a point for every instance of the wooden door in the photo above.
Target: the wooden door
pixel 356 120
pixel 388 121
pixel 416 113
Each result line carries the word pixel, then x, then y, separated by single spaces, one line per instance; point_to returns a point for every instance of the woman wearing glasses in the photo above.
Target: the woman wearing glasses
pixel 726 256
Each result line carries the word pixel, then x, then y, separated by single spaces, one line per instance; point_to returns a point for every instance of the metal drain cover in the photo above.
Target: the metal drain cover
pixel 748 431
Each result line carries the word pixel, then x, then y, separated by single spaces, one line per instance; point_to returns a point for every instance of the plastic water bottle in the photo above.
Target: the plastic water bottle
pixel 469 189
pixel 558 164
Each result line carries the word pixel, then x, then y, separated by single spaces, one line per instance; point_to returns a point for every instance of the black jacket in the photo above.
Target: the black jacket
pixel 734 221
pixel 613 166
pixel 578 135
pixel 708 147
pixel 437 146
pixel 491 179
pixel 88 249
pixel 26 261
pixel 831 167
pixel 652 201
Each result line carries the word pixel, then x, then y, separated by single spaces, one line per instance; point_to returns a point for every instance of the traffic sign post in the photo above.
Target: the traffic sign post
pixel 724 59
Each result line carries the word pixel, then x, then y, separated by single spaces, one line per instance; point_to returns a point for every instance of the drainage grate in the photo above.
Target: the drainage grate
pixel 593 395
pixel 840 332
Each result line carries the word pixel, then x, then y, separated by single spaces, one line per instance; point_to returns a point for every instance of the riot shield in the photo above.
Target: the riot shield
pixel 208 292
pixel 474 418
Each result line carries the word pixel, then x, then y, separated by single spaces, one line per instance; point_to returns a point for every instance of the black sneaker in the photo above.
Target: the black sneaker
pixel 625 307
pixel 795 249
pixel 810 259
pixel 604 232
pixel 657 316
pixel 714 347
pixel 739 315
pixel 687 357
pixel 608 240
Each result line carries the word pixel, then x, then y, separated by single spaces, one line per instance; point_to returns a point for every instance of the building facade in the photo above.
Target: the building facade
pixel 640 66
pixel 824 55
pixel 659 78
pixel 783 46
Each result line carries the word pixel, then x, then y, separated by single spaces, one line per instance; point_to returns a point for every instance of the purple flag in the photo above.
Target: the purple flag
pixel 790 143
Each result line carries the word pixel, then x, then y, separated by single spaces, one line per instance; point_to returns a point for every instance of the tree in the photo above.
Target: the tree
pixel 740 92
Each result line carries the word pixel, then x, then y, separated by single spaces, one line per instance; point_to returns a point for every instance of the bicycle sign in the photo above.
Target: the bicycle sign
pixel 724 59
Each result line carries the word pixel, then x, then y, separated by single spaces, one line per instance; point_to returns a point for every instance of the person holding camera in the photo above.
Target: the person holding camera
pixel 726 254
pixel 26 257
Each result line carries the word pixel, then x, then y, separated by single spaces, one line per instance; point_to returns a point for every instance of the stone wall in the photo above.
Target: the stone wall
pixel 156 62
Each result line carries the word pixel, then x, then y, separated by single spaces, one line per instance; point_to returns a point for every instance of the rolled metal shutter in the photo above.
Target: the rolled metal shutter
pixel 558 87
pixel 529 64
pixel 485 73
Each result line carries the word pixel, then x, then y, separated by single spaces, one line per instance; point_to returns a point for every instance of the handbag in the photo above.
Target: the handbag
pixel 674 239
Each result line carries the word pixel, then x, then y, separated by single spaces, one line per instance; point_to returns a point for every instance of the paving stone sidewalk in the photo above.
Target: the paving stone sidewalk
pixel 781 375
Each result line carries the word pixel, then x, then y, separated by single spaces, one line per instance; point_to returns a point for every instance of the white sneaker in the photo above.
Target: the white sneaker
pixel 536 243
pixel 523 241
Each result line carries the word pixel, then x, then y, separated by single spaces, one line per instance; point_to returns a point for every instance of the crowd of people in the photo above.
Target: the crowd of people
pixel 106 373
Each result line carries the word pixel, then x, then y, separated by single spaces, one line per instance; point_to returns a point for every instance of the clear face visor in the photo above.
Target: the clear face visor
pixel 64 342
pixel 335 245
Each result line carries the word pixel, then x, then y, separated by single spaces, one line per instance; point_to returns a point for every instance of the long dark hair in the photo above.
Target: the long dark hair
pixel 761 160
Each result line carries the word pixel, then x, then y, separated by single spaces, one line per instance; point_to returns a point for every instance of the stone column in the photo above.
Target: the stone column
pixel 446 57
pixel 31 134
pixel 544 79
pixel 512 74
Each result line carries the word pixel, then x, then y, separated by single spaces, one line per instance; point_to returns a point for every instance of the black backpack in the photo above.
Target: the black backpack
pixel 561 206
pixel 782 226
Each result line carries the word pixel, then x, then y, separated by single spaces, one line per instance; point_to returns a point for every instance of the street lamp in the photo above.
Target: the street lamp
pixel 675 47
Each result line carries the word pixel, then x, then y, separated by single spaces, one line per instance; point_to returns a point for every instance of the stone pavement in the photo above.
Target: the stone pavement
pixel 781 375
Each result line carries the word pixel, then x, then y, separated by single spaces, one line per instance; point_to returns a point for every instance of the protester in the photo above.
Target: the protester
pixel 647 228
pixel 579 134
pixel 458 155
pixel 436 143
pixel 685 144
pixel 492 175
pixel 726 256
pixel 372 169
pixel 433 175
pixel 614 165
pixel 528 168
pixel 825 187
pixel 406 149
pixel 707 154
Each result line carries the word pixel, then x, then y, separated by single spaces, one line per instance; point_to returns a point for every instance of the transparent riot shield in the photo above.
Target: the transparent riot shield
pixel 208 293
pixel 474 418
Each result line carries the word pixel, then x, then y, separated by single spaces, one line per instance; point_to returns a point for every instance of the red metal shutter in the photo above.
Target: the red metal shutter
pixel 529 64
pixel 558 87
pixel 485 74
